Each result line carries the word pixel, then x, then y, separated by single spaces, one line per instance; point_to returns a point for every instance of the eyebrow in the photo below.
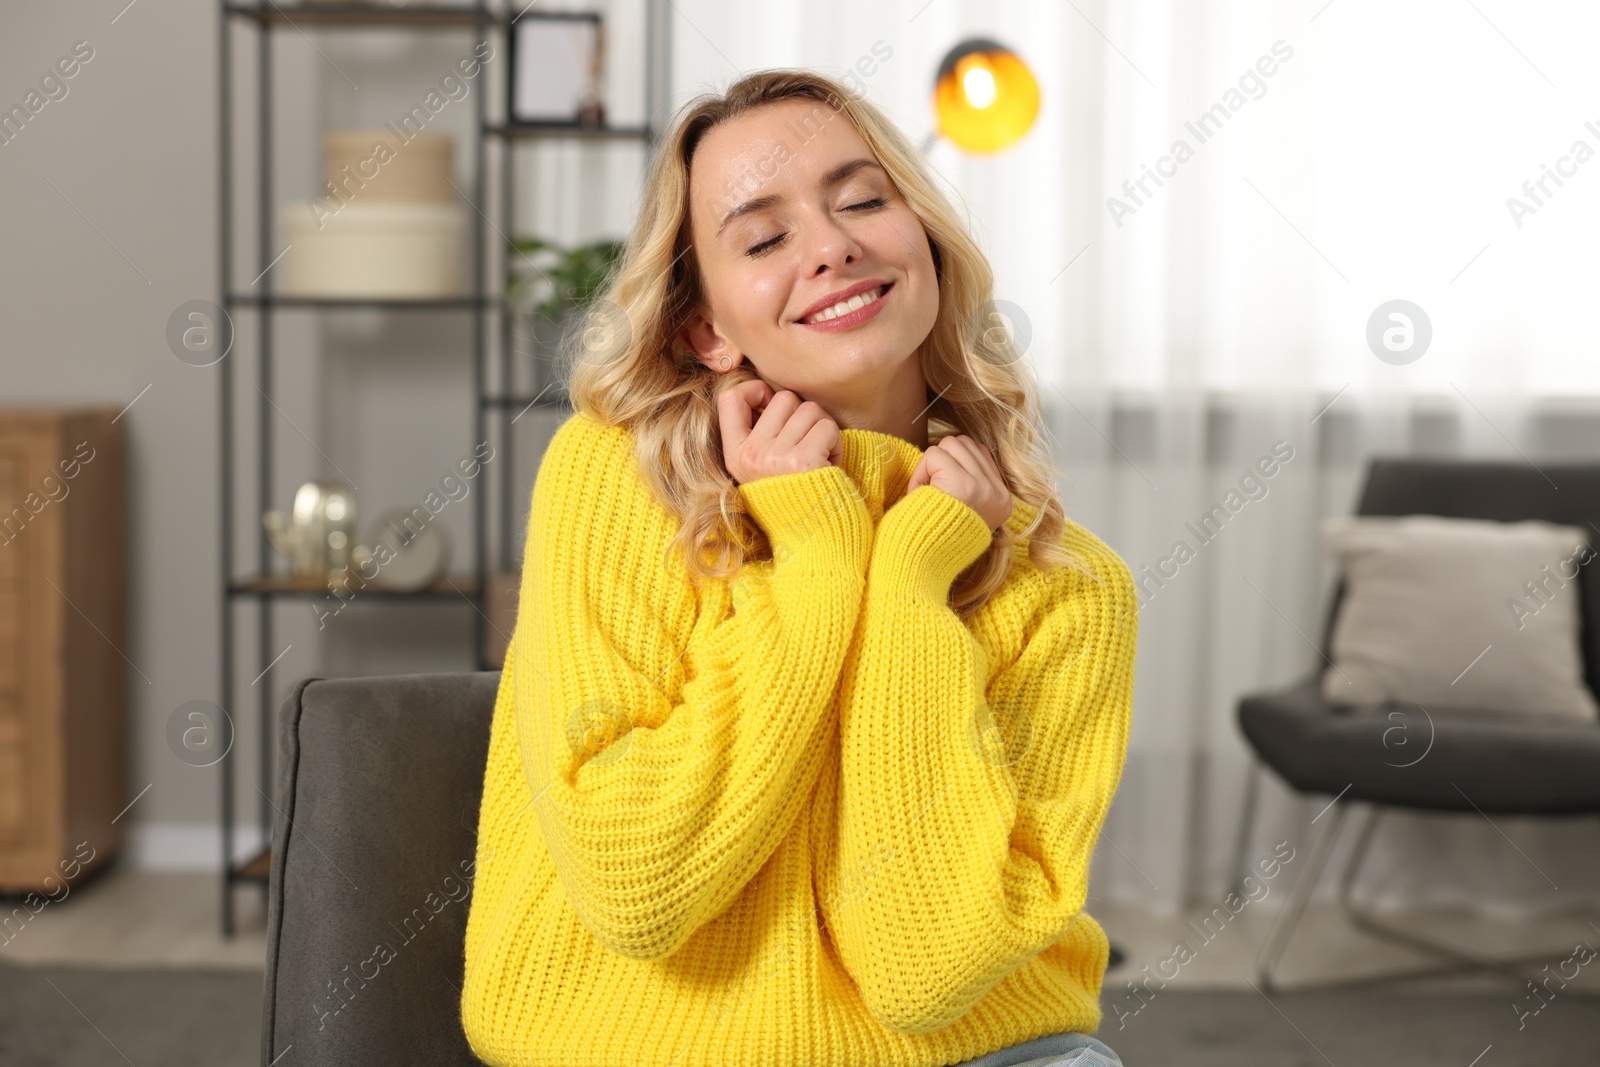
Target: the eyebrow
pixel 829 180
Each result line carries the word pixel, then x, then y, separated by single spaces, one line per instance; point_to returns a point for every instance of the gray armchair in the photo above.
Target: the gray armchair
pixel 1487 763
pixel 377 806
pixel 372 849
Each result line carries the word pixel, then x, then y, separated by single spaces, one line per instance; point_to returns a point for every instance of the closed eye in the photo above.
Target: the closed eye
pixel 769 245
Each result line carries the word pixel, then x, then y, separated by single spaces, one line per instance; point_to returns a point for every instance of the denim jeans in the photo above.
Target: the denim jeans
pixel 1051 1050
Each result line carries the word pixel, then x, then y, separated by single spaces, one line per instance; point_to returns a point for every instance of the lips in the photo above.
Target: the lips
pixel 843 294
pixel 850 320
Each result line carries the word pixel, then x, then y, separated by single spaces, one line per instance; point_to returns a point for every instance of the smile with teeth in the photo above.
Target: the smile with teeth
pixel 844 307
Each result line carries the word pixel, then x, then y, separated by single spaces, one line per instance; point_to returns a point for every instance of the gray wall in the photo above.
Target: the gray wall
pixel 111 224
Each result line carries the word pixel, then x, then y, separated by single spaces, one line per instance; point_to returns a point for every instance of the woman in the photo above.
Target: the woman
pixel 810 719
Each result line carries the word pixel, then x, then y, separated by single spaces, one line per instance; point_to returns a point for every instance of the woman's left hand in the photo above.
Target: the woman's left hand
pixel 967 471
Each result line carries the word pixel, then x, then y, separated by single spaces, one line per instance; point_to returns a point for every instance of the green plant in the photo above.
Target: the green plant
pixel 573 275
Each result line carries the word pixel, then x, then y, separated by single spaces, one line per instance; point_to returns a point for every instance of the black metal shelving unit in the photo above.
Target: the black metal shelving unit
pixel 486 301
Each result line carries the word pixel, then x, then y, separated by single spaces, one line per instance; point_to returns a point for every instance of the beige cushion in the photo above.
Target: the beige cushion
pixel 1459 613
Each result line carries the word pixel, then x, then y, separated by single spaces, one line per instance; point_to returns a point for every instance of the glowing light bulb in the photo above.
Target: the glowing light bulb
pixel 979 86
pixel 985 98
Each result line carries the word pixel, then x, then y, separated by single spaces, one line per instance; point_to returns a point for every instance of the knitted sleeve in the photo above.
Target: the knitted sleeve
pixel 669 747
pixel 970 792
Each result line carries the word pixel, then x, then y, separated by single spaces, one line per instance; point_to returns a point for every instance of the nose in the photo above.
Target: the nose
pixel 828 244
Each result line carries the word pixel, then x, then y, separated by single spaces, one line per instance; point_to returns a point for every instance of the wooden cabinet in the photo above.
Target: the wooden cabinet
pixel 63 675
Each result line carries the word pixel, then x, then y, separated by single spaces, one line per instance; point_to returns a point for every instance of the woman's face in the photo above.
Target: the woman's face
pixel 788 206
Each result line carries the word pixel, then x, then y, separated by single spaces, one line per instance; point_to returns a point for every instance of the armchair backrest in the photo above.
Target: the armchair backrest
pixel 373 852
pixel 1565 493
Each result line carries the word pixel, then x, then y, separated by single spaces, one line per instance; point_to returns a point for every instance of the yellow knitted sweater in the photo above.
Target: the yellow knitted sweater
pixel 806 817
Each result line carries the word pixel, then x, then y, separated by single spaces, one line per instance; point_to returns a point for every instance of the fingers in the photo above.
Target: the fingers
pixel 920 475
pixel 736 410
pixel 801 419
pixel 771 428
pixel 973 457
pixel 789 435
pixel 967 471
pixel 808 433
pixel 952 457
pixel 824 436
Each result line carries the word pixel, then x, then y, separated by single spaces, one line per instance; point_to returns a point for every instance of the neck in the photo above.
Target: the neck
pixel 899 407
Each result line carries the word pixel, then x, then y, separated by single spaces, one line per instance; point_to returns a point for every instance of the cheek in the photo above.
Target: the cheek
pixel 764 294
pixel 902 231
pixel 762 284
pixel 902 242
pixel 751 297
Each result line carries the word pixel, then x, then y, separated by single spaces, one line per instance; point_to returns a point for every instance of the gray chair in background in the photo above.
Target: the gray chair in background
pixel 373 843
pixel 1398 756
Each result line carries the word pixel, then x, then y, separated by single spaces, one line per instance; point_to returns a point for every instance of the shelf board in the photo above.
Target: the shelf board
pixel 257 868
pixel 549 401
pixel 281 585
pixel 425 16
pixel 516 130
pixel 442 303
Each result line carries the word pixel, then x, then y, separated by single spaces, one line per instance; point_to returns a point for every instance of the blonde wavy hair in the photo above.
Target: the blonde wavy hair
pixel 629 367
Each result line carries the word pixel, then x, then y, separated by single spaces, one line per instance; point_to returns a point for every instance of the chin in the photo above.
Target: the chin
pixel 875 368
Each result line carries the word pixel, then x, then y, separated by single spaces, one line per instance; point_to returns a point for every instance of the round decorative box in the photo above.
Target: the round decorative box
pixel 388 163
pixel 379 250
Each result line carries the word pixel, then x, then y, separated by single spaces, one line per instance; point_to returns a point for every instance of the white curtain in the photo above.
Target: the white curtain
pixel 1337 156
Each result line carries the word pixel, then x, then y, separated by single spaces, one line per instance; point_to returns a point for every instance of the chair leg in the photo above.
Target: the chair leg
pixel 1247 823
pixel 1456 961
pixel 1278 938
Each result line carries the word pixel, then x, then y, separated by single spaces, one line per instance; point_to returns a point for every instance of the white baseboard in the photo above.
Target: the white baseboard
pixel 187 846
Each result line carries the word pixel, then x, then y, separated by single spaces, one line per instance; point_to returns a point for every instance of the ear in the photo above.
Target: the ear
pixel 708 345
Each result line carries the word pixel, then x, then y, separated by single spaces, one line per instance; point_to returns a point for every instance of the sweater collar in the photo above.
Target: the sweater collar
pixel 882 464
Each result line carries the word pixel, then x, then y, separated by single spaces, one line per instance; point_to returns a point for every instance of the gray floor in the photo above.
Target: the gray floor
pixel 1349 1029
pixel 131 969
pixel 53 1016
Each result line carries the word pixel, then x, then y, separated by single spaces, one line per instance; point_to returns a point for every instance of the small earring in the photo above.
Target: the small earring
pixel 727 362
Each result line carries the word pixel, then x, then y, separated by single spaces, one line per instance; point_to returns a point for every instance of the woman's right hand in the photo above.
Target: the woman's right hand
pixel 789 437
